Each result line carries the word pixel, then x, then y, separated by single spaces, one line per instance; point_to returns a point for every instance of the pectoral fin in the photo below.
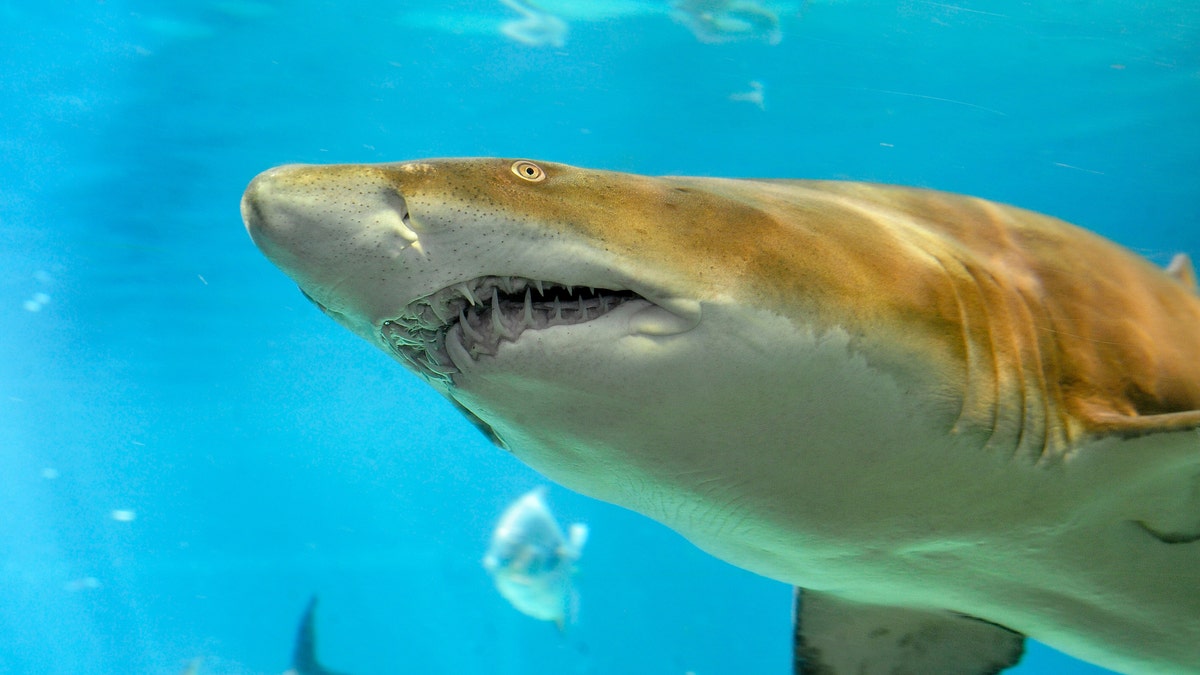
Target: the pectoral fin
pixel 838 637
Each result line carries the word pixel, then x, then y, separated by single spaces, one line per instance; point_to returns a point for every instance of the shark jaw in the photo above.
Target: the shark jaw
pixel 439 335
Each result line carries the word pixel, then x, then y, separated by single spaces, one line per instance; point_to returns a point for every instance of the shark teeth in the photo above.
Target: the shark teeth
pixel 481 313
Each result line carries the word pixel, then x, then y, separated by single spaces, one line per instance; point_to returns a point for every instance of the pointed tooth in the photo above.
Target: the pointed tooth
pixel 528 308
pixel 603 303
pixel 439 312
pixel 497 322
pixel 592 290
pixel 466 291
pixel 538 283
pixel 557 310
pixel 582 310
pixel 466 328
pixel 457 347
pixel 506 282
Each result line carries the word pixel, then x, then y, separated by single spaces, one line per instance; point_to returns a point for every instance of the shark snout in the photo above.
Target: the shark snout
pixel 273 210
pixel 310 211
pixel 258 196
pixel 335 230
pixel 325 217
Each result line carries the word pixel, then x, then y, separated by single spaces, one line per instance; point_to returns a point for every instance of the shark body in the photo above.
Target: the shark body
pixel 951 422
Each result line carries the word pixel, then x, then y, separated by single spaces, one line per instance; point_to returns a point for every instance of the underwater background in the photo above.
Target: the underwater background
pixel 189 449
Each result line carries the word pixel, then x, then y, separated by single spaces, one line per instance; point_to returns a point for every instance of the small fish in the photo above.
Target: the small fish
pixel 532 563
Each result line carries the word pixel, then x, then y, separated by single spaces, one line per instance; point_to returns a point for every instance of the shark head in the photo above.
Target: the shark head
pixel 444 263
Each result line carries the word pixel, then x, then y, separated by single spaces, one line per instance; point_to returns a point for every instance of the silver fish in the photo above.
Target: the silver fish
pixel 532 562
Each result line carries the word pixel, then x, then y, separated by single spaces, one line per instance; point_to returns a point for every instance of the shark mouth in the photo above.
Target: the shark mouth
pixel 482 313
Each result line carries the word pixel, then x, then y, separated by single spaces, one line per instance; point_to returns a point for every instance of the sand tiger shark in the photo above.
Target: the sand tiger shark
pixel 950 422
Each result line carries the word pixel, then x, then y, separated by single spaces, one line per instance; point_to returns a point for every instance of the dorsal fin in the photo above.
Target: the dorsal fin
pixel 1182 269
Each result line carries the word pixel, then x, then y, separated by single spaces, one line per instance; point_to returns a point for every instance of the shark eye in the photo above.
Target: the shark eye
pixel 529 171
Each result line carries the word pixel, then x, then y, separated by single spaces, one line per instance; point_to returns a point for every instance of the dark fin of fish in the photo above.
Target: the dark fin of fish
pixel 838 637
pixel 1181 268
pixel 304 654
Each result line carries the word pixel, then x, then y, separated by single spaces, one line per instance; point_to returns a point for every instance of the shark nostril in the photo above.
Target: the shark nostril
pixel 397 203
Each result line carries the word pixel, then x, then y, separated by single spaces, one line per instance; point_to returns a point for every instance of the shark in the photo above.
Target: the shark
pixel 949 423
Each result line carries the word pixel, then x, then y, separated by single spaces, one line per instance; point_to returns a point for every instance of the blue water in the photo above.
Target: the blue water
pixel 152 362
